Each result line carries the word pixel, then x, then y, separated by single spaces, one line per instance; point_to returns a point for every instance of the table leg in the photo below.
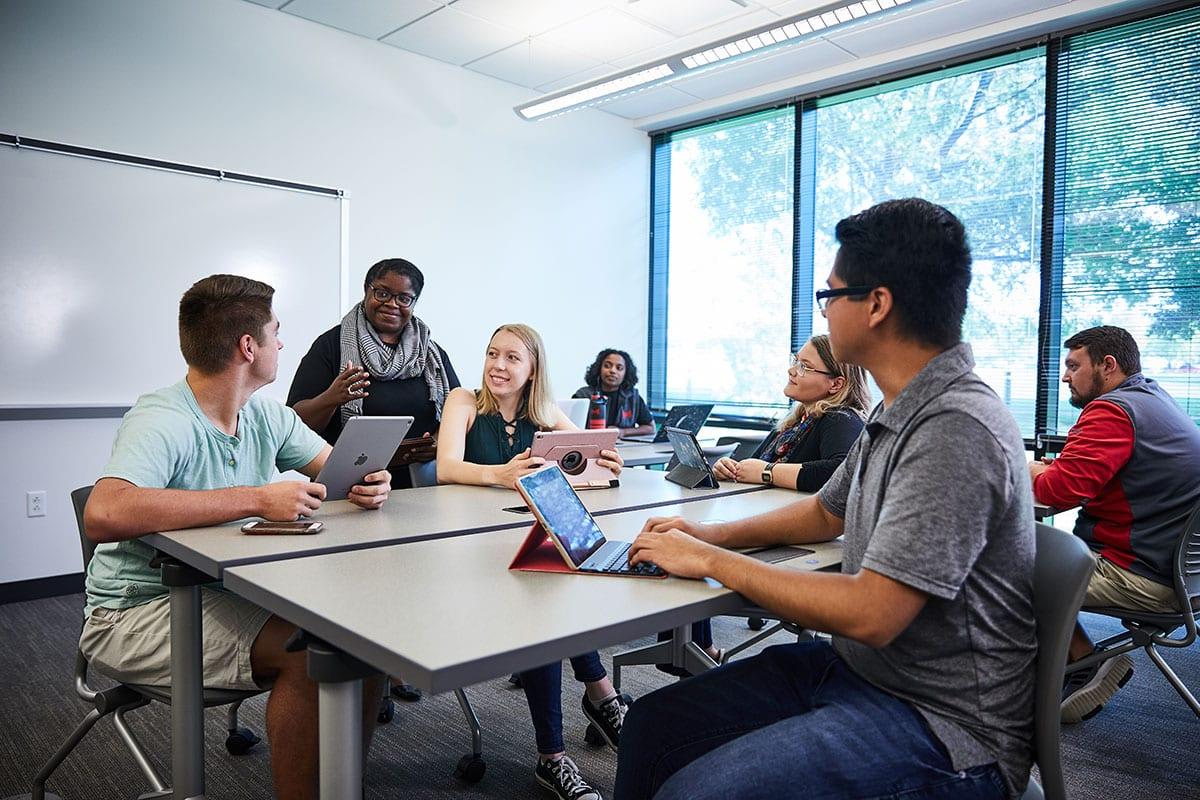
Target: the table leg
pixel 340 739
pixel 187 694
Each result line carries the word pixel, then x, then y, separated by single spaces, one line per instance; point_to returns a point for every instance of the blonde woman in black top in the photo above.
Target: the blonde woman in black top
pixel 831 399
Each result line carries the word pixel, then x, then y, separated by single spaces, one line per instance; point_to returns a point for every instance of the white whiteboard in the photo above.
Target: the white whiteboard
pixel 94 256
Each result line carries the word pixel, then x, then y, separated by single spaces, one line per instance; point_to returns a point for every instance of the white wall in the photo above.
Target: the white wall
pixel 510 221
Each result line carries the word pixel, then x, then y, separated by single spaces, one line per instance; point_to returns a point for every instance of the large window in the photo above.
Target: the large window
pixel 971 142
pixel 1129 135
pixel 729 299
pixel 737 250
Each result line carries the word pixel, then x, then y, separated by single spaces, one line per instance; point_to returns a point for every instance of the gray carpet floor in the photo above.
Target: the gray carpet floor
pixel 1143 745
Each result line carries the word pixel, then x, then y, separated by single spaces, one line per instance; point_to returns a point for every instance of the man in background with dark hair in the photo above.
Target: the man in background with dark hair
pixel 1132 464
pixel 927 689
pixel 199 453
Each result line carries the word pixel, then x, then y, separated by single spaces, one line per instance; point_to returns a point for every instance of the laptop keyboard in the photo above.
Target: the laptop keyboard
pixel 619 562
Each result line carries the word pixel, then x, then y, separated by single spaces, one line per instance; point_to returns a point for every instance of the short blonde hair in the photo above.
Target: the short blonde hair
pixel 853 395
pixel 537 402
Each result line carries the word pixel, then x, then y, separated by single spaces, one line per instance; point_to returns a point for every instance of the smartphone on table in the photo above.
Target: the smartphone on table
pixel 300 527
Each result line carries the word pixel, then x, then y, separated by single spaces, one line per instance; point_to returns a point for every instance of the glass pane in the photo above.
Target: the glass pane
pixel 729 295
pixel 1131 207
pixel 972 143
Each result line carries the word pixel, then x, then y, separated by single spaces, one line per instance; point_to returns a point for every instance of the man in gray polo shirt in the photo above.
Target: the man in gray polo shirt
pixel 927 689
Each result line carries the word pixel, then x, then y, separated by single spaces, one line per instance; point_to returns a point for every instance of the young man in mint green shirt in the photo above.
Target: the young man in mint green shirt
pixel 203 452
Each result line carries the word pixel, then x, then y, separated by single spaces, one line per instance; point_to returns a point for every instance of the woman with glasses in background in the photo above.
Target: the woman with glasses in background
pixel 380 361
pixel 804 449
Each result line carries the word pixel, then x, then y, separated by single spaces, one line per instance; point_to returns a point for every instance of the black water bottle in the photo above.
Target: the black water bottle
pixel 598 412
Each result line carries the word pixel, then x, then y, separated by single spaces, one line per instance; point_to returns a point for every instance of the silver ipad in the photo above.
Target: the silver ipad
pixel 366 445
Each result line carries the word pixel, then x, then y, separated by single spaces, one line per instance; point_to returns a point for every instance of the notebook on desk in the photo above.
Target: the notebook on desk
pixel 565 537
pixel 689 418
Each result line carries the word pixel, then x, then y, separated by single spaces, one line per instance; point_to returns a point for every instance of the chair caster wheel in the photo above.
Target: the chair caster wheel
pixel 515 679
pixel 387 711
pixel 240 742
pixel 470 768
pixel 756 623
pixel 593 736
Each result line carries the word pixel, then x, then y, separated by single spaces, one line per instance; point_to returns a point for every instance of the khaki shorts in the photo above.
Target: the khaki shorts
pixel 133 645
pixel 1113 586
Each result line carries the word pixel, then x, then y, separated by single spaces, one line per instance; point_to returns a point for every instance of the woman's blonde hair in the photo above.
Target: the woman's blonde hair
pixel 853 395
pixel 537 401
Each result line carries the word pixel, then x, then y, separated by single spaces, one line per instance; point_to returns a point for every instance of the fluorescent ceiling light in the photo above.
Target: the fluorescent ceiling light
pixel 768 38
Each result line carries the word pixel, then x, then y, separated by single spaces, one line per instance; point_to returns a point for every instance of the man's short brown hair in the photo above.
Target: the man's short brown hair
pixel 215 313
pixel 1109 340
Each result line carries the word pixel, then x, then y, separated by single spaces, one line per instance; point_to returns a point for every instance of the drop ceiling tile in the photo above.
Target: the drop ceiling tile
pixel 532 63
pixel 372 18
pixel 792 62
pixel 652 101
pixel 792 8
pixel 268 3
pixel 530 17
pixel 929 21
pixel 682 17
pixel 606 34
pixel 720 32
pixel 590 74
pixel 454 37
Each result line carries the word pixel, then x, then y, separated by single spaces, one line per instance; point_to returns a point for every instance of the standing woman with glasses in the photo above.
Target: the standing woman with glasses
pixel 380 361
pixel 804 449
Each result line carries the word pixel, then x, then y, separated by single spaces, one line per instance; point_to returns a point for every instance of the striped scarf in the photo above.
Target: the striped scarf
pixel 416 354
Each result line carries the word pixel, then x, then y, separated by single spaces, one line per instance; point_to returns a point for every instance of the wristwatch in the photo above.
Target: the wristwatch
pixel 766 473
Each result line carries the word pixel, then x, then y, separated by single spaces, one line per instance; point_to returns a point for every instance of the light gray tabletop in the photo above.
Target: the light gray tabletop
pixel 642 454
pixel 477 618
pixel 413 515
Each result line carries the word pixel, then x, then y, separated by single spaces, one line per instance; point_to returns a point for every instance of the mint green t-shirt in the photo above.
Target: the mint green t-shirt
pixel 166 442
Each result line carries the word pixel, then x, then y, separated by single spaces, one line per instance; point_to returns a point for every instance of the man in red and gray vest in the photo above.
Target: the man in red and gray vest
pixel 1132 465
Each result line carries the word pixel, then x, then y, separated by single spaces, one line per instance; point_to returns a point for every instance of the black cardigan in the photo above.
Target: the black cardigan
pixel 821 450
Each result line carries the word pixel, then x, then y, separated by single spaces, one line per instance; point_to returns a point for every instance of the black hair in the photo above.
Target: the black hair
pixel 592 376
pixel 920 252
pixel 399 266
pixel 1109 340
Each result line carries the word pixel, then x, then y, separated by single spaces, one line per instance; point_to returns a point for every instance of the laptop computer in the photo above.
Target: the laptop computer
pixel 365 445
pixel 689 418
pixel 565 537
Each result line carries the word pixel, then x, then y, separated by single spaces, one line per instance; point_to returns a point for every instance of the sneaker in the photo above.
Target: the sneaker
pixel 1086 691
pixel 562 777
pixel 608 718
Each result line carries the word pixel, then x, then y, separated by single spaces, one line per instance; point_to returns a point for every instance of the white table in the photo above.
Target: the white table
pixel 490 621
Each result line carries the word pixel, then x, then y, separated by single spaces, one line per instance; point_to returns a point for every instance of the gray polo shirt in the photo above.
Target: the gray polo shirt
pixel 935 494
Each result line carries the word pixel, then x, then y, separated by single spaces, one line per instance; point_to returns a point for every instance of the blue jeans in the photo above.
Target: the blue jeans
pixel 793 721
pixel 543 692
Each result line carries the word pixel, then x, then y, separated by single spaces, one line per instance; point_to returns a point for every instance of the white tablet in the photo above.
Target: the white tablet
pixel 366 445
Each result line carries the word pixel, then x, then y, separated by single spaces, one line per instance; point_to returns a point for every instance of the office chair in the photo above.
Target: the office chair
pixel 125 697
pixel 1061 571
pixel 1150 631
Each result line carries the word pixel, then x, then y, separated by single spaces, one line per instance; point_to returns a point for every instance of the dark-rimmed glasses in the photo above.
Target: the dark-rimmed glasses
pixel 384 296
pixel 825 295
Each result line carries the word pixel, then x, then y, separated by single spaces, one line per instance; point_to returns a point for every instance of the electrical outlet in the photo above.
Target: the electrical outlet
pixel 35 504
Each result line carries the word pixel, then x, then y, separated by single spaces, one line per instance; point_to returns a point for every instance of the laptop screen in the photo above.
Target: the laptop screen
pixel 690 418
pixel 562 512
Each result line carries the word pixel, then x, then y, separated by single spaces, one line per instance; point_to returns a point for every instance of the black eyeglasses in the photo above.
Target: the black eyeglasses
pixel 383 296
pixel 825 295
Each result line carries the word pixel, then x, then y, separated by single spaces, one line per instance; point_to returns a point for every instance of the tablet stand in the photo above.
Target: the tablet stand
pixel 691 477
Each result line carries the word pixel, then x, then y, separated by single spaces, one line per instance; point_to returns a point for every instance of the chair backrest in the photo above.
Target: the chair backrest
pixel 79 499
pixel 1187 561
pixel 1061 571
pixel 576 409
pixel 742 448
pixel 423 474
